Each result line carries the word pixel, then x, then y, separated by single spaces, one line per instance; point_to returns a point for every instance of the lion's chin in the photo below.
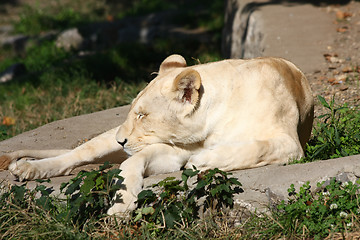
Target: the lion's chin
pixel 132 151
pixel 128 151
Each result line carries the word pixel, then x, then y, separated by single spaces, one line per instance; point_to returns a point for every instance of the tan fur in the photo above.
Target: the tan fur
pixel 232 114
pixel 4 162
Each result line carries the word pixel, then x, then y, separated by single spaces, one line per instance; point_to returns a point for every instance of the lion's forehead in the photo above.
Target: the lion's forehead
pixel 155 90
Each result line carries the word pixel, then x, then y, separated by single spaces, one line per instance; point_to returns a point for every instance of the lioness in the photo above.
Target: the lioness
pixel 231 114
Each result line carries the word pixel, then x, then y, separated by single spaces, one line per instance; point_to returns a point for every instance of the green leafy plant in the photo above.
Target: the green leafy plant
pixel 36 213
pixel 331 209
pixel 174 203
pixel 337 134
pixel 90 194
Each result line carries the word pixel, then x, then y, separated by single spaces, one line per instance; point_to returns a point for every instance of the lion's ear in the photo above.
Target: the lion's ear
pixel 187 85
pixel 172 61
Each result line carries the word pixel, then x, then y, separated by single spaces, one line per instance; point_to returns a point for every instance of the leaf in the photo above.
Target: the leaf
pixel 235 181
pixel 148 210
pixel 8 121
pixel 89 183
pixel 169 219
pixel 43 180
pixel 64 185
pixel 19 192
pixel 323 101
pixel 324 115
pixel 100 183
pixel 146 194
pixel 190 172
pixel 138 216
pixel 106 165
pixel 73 187
pixel 200 184
pixel 45 191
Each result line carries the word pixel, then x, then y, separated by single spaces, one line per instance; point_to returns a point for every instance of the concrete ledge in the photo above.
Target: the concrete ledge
pixel 262 186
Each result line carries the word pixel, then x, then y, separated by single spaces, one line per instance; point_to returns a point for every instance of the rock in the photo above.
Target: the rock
pixel 348 69
pixel 11 72
pixel 242 33
pixel 252 30
pixel 17 42
pixel 70 39
pixel 264 187
pixel 341 78
pixel 6 29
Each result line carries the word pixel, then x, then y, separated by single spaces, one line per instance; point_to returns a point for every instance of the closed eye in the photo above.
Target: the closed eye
pixel 140 116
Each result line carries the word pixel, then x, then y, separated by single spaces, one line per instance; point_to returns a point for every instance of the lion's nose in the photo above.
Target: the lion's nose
pixel 122 143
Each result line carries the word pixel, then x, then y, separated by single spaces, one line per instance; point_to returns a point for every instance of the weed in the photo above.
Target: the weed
pixel 329 210
pixel 337 133
pixel 175 204
pixel 89 194
pixel 332 209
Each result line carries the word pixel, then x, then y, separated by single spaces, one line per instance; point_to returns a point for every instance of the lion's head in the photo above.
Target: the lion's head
pixel 164 111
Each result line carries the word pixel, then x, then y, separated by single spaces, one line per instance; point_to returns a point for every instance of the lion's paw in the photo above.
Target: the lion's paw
pixel 126 205
pixel 26 170
pixel 196 162
pixel 121 209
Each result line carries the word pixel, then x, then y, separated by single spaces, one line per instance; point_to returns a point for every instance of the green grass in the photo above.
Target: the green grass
pixel 59 15
pixel 170 210
pixel 60 84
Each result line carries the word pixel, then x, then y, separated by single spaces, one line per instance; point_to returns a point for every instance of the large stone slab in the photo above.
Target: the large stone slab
pixel 67 133
pixel 262 186
pixel 299 31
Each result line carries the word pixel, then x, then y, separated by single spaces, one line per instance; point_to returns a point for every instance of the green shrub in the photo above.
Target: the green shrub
pixel 317 214
pixel 90 194
pixel 337 134
pixel 35 213
pixel 332 209
pixel 174 204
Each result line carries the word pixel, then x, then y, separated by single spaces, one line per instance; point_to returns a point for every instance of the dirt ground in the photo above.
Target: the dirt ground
pixel 340 76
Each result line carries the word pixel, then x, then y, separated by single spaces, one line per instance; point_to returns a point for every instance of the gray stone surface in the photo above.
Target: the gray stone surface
pixel 263 186
pixel 70 39
pixel 296 30
pixel 67 133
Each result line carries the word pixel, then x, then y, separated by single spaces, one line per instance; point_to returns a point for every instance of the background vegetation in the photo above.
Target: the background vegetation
pixel 60 84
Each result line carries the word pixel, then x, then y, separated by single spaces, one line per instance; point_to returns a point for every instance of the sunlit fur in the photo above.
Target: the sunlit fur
pixel 231 115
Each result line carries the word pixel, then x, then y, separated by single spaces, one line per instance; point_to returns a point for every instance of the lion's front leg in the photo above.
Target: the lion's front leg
pixel 152 160
pixel 98 150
